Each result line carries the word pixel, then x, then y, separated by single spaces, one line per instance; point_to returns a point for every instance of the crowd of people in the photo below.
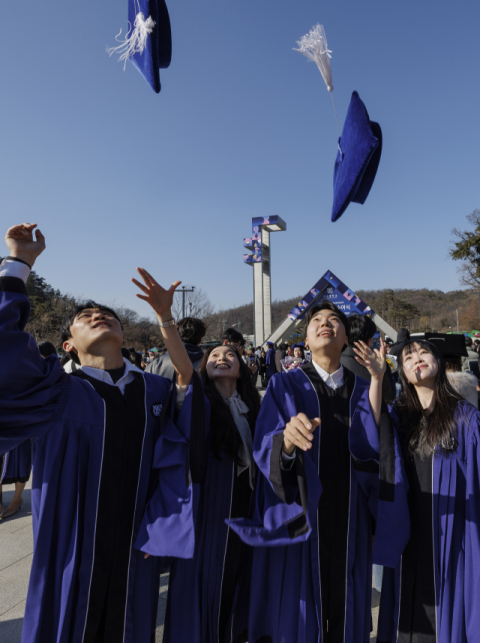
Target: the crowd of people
pixel 270 515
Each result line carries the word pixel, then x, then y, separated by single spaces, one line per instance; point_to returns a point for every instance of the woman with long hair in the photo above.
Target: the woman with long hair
pixel 434 595
pixel 208 595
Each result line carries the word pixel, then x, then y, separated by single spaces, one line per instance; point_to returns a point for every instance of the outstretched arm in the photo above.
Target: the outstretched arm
pixel 33 390
pixel 375 362
pixel 161 302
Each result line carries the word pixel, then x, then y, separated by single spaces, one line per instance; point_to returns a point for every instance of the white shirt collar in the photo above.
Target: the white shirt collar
pixel 104 376
pixel 333 380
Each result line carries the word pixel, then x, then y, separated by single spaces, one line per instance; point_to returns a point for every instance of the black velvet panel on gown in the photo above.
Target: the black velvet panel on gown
pixel 334 505
pixel 417 623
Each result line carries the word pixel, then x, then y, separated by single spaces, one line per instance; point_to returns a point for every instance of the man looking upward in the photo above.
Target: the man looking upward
pixel 318 490
pixel 104 473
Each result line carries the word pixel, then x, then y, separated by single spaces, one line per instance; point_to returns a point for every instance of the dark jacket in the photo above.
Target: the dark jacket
pixel 347 359
pixel 279 355
pixel 163 365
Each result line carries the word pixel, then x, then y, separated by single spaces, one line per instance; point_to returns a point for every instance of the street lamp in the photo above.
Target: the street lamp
pixel 184 290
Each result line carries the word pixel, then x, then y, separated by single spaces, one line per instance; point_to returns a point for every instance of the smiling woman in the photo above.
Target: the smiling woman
pixel 213 587
pixel 434 594
pixel 428 401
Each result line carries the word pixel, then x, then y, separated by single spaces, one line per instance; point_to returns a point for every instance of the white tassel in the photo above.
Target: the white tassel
pixel 315 47
pixel 136 40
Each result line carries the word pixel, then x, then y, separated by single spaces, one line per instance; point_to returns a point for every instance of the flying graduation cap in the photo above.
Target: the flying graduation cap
pixel 359 144
pixel 148 41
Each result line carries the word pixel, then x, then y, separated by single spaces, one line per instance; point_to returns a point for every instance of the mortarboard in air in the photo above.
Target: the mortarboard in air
pixel 148 42
pixel 358 156
pixel 360 144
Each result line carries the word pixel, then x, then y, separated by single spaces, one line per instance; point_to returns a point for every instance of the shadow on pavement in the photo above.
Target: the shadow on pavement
pixel 11 631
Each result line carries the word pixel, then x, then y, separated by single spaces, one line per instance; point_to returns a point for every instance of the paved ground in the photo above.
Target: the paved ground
pixel 16 548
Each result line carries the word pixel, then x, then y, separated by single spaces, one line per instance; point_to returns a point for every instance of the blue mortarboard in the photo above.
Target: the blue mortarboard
pixel 158 50
pixel 270 344
pixel 357 163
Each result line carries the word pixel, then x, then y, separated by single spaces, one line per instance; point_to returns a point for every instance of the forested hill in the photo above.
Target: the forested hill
pixel 418 310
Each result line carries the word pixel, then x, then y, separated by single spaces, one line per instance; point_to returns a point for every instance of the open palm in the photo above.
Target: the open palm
pixel 373 360
pixel 159 299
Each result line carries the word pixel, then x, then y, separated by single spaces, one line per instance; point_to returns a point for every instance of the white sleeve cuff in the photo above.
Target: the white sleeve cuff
pixel 181 393
pixel 288 458
pixel 11 268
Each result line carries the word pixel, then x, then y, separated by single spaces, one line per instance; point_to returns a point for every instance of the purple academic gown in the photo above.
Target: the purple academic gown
pixel 455 537
pixel 19 464
pixel 270 362
pixel 286 601
pixel 86 522
pixel 208 594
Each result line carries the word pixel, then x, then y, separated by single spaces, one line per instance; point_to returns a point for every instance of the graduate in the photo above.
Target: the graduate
pixel 111 454
pixel 434 594
pixel 270 361
pixel 319 488
pixel 208 595
pixel 295 358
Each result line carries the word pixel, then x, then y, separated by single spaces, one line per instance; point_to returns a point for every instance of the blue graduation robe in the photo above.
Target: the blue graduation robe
pixel 454 534
pixel 19 464
pixel 86 573
pixel 208 594
pixel 286 597
pixel 270 362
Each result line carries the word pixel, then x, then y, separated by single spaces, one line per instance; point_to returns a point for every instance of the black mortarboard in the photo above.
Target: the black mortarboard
pixel 448 345
pixel 360 148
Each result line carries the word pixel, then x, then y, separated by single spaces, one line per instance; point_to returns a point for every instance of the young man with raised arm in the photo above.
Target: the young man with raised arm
pixel 113 461
pixel 319 486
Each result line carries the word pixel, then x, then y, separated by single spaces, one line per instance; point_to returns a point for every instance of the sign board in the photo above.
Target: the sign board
pixel 328 287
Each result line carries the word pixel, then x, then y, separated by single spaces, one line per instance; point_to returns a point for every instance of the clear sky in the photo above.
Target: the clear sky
pixel 117 176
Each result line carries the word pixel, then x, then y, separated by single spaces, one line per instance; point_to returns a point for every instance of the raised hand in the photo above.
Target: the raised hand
pixel 21 244
pixel 160 300
pixel 299 433
pixel 373 360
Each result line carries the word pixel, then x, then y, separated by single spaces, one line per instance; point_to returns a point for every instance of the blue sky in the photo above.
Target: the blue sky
pixel 117 176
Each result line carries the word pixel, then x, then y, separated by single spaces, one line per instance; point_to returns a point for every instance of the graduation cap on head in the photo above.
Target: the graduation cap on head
pixel 448 345
pixel 359 145
pixel 148 41
pixel 358 156
pixel 270 344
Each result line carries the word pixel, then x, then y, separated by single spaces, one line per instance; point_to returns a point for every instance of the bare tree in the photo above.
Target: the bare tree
pixel 216 323
pixel 47 317
pixel 139 332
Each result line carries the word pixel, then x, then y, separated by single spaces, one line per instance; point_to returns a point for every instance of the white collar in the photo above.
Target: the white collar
pixel 104 376
pixel 334 380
